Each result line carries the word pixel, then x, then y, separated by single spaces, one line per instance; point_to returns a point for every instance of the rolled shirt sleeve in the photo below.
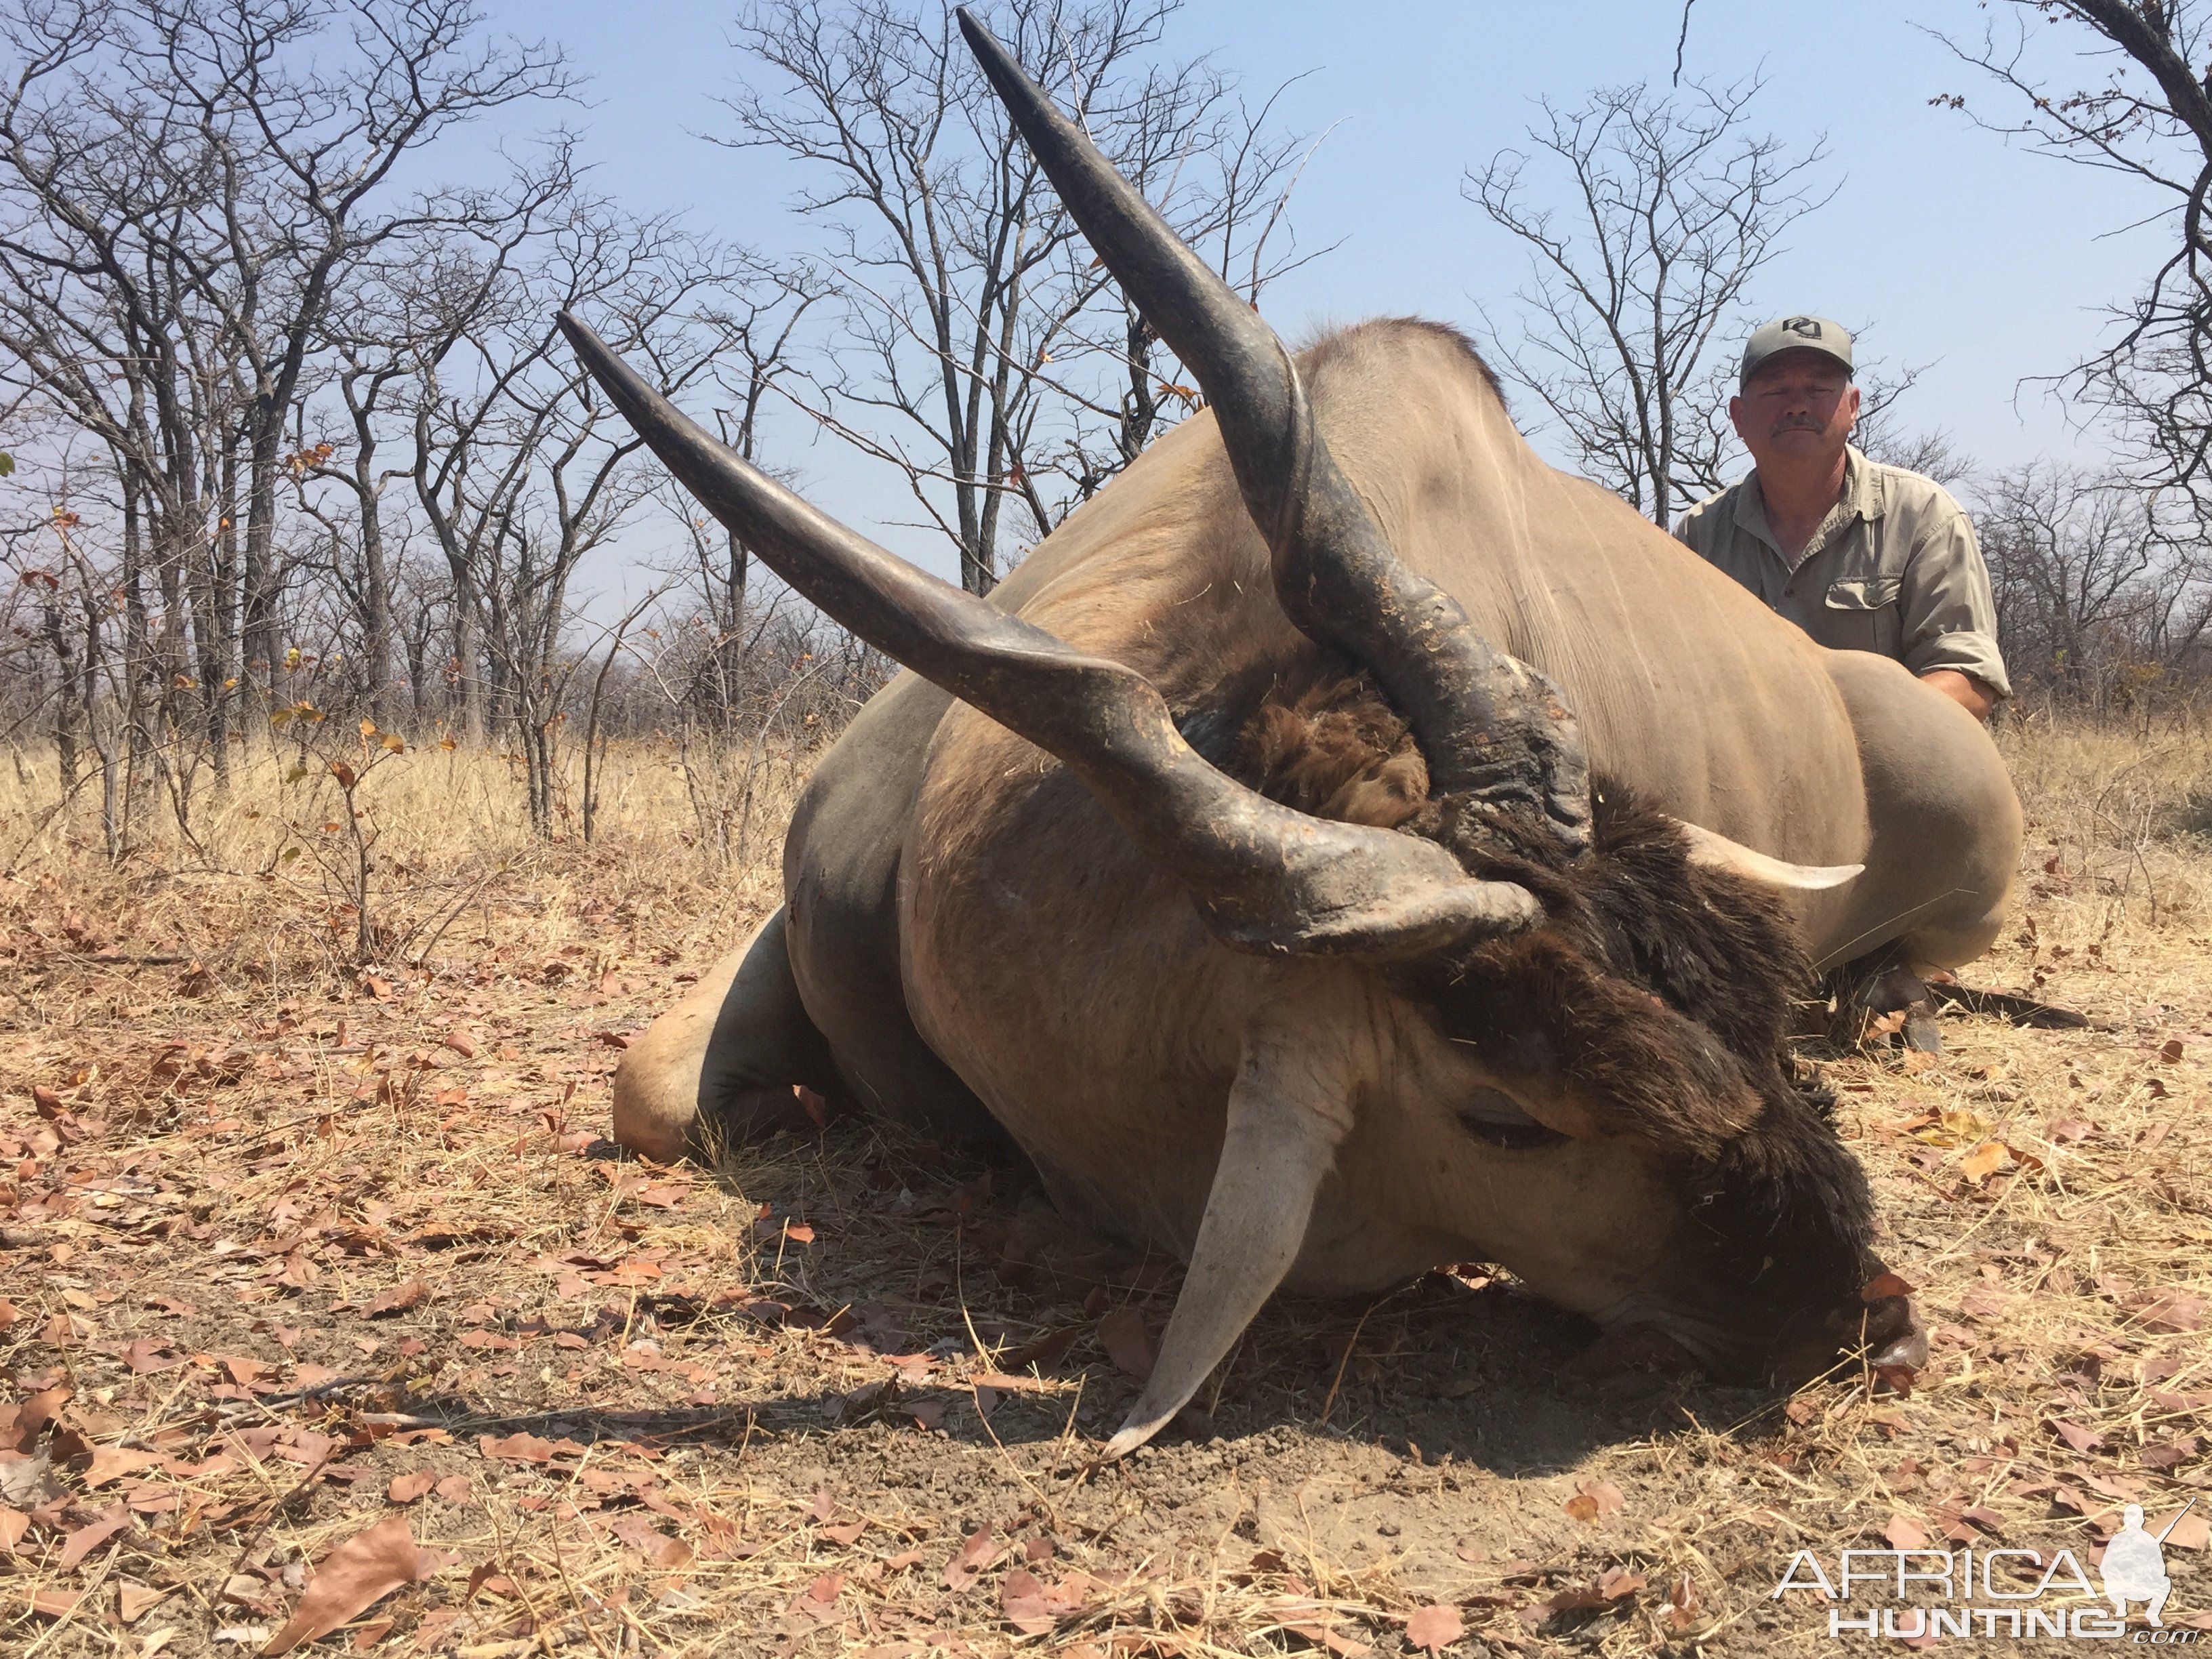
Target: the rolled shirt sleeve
pixel 1948 614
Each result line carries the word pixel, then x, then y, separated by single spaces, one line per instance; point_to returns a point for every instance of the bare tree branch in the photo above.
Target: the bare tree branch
pixel 983 353
pixel 1637 289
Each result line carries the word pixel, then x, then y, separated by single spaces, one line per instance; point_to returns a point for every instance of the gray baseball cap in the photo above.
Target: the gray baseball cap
pixel 1795 334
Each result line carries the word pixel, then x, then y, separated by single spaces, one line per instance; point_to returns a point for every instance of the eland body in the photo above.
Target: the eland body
pixel 1348 845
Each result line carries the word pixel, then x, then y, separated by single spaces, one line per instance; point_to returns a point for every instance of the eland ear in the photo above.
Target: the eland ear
pixel 1717 852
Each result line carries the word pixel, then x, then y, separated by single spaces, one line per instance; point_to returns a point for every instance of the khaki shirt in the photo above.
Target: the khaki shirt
pixel 1893 569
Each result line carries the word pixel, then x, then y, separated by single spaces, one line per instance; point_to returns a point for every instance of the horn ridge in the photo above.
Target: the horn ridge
pixel 1490 727
pixel 1266 877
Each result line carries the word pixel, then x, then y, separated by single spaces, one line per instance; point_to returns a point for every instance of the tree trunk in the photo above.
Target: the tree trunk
pixel 467 671
pixel 61 637
pixel 376 612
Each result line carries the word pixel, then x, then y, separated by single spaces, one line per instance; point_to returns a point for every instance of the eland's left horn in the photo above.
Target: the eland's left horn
pixel 1717 852
pixel 1266 877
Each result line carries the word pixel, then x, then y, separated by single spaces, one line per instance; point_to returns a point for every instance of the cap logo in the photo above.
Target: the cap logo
pixel 1805 328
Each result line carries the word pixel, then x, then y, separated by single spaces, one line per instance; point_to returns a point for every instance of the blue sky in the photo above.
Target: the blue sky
pixel 1989 264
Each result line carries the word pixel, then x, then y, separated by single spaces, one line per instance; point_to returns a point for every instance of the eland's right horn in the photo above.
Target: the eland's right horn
pixel 1488 725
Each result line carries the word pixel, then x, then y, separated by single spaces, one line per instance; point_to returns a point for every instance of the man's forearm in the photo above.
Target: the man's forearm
pixel 1969 692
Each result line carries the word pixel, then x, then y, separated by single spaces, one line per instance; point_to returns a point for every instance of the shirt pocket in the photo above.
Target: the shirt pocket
pixel 1861 613
pixel 1864 593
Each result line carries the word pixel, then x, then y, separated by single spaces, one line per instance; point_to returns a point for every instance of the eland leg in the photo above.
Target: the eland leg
pixel 718 1069
pixel 1882 984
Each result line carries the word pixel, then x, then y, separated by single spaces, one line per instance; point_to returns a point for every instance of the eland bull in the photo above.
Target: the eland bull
pixel 1348 845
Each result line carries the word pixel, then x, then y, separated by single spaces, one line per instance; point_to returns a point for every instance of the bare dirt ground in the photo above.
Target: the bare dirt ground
pixel 315 1283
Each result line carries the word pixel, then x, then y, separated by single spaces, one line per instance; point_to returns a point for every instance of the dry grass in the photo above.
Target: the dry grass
pixel 287 1236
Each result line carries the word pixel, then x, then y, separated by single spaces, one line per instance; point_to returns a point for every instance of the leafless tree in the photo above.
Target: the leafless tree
pixel 409 307
pixel 327 137
pixel 756 318
pixel 1932 454
pixel 183 190
pixel 2140 107
pixel 1638 287
pixel 2095 595
pixel 975 356
pixel 297 420
pixel 778 695
pixel 520 468
pixel 66 665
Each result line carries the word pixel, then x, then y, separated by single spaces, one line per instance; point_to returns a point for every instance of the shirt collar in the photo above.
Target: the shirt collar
pixel 1865 496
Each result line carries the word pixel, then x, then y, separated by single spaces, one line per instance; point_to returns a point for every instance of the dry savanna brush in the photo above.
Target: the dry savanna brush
pixel 329 1319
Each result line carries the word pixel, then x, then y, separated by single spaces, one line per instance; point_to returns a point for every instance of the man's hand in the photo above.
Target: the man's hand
pixel 1969 692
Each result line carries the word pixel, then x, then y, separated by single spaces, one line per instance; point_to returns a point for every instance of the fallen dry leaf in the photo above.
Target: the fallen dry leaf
pixel 27 1482
pixel 1985 1160
pixel 1571 1600
pixel 398 1299
pixel 656 1545
pixel 20 1424
pixel 2192 1532
pixel 134 1599
pixel 976 1551
pixel 1005 1383
pixel 1033 1609
pixel 2171 1313
pixel 1953 1127
pixel 358 1573
pixel 1127 1343
pixel 406 1488
pixel 1435 1628
pixel 1983 1517
pixel 1045 1351
pixel 519 1448
pixel 2081 1439
pixel 1903 1533
pixel 1681 1609
pixel 86 1539
pixel 113 1462
pixel 149 1353
pixel 1595 1500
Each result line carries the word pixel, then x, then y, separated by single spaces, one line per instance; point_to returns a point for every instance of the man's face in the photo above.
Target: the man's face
pixel 1799 406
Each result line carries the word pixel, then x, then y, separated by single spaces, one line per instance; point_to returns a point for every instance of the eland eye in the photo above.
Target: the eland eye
pixel 1495 1118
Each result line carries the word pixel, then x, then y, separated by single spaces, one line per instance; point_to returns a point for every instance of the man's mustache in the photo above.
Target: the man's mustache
pixel 1796 424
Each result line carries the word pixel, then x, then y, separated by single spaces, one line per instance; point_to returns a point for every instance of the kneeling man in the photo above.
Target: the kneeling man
pixel 1862 556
